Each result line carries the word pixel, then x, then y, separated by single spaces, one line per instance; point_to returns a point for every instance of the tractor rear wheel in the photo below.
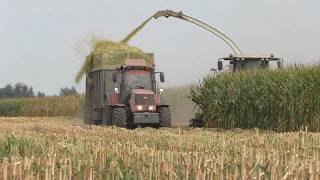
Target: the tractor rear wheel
pixel 120 117
pixel 164 116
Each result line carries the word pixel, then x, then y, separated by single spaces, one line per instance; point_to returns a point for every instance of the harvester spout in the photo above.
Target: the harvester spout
pixel 169 13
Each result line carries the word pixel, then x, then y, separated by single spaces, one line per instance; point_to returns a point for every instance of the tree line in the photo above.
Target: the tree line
pixel 21 90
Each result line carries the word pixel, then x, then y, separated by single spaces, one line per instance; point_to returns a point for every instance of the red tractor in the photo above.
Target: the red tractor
pixel 126 96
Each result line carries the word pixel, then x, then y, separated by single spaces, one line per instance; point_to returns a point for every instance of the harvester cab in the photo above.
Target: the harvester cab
pixel 240 62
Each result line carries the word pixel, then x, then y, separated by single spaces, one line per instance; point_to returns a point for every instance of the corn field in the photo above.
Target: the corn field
pixel 53 148
pixel 281 100
pixel 42 107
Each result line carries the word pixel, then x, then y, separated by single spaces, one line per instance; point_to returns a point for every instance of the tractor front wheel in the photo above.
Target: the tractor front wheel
pixel 120 117
pixel 164 116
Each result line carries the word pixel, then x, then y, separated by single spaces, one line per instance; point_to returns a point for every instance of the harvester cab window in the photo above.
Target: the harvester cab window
pixel 246 65
pixel 252 64
pixel 139 81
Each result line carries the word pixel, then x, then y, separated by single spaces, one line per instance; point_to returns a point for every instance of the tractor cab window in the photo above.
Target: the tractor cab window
pixel 139 80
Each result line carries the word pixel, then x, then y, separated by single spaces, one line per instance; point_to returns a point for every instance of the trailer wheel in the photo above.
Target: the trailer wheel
pixel 120 117
pixel 164 116
pixel 196 123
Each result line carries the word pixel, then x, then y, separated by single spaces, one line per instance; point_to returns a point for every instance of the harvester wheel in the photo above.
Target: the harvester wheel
pixel 120 117
pixel 164 116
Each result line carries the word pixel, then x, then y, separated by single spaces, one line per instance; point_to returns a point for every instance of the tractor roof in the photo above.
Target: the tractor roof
pixel 253 57
pixel 137 64
pixel 116 60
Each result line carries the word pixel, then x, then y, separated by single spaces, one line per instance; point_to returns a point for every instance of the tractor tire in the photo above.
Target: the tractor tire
pixel 196 123
pixel 120 117
pixel 164 116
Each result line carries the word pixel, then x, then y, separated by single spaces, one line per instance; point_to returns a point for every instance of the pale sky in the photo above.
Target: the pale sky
pixel 43 43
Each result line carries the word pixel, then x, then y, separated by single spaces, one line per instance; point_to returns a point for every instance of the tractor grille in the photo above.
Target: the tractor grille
pixel 143 99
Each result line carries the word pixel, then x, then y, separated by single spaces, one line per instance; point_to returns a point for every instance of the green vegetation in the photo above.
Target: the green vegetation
pixel 19 90
pixel 108 54
pixel 281 100
pixel 41 107
pixel 135 31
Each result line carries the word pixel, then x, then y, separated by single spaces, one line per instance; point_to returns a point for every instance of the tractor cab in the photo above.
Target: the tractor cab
pixel 133 76
pixel 239 62
pixel 136 100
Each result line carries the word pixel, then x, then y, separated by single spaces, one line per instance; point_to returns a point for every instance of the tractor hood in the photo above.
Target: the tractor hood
pixel 143 100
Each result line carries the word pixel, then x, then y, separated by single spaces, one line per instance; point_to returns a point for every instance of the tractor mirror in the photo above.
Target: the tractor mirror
pixel 114 77
pixel 220 65
pixel 279 64
pixel 162 77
